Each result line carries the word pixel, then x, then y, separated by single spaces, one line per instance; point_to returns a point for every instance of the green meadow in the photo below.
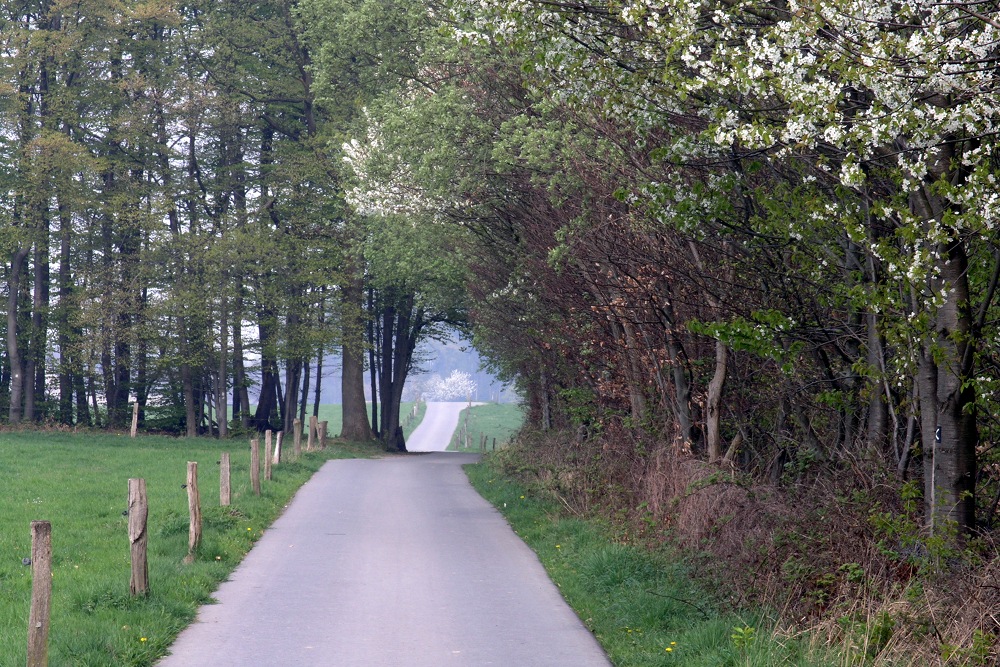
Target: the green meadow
pixel 495 421
pixel 79 482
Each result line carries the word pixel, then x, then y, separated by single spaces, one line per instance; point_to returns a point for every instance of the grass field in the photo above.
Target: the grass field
pixel 79 482
pixel 495 421
pixel 644 607
pixel 331 413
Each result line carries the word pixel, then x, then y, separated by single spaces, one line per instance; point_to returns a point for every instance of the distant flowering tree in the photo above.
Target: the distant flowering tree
pixel 458 384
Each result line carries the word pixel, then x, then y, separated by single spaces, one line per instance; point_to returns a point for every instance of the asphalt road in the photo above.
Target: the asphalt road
pixel 441 418
pixel 395 562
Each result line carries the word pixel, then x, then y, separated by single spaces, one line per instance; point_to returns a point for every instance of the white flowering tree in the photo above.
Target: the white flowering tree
pixel 812 184
pixel 458 385
pixel 884 113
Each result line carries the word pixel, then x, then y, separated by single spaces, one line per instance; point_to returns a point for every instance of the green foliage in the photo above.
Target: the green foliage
pixel 975 655
pixel 743 637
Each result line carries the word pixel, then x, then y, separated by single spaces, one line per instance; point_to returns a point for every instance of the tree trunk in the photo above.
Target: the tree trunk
pixel 400 331
pixel 948 420
pixel 267 402
pixel 352 380
pixel 385 370
pixel 241 397
pixel 142 382
pixel 318 389
pixel 220 387
pixel 63 327
pixel 80 391
pixel 949 433
pixel 190 418
pixel 304 395
pixel 374 337
pixel 713 404
pixel 17 378
pixel 293 375
pixel 878 406
pixel 544 398
pixel 35 378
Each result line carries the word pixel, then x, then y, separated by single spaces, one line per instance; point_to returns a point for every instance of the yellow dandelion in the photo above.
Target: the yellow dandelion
pixel 668 649
pixel 142 639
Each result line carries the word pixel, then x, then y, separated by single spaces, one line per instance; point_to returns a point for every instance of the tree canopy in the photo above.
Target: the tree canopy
pixel 760 232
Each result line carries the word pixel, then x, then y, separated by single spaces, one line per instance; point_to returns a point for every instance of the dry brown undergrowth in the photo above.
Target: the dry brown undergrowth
pixel 808 548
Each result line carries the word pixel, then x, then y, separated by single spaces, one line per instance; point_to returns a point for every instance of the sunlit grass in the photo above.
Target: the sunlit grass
pixel 497 422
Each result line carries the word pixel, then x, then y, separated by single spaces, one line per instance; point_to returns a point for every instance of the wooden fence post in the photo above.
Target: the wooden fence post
pixel 267 455
pixel 277 448
pixel 138 513
pixel 297 439
pixel 312 433
pixel 194 508
pixel 225 489
pixel 322 434
pixel 255 466
pixel 135 418
pixel 41 594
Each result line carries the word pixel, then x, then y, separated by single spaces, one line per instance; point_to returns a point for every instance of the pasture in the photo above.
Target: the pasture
pixel 79 482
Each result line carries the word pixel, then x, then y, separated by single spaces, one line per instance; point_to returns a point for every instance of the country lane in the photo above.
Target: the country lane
pixel 392 562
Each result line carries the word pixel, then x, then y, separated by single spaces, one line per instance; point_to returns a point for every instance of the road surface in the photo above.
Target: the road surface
pixel 434 431
pixel 394 562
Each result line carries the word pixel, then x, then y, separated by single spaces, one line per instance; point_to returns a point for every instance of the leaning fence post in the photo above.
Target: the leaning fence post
pixel 297 439
pixel 267 455
pixel 194 508
pixel 225 489
pixel 41 594
pixel 322 434
pixel 138 513
pixel 255 466
pixel 312 433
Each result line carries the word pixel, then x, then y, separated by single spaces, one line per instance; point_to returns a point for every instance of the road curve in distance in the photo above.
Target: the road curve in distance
pixel 434 432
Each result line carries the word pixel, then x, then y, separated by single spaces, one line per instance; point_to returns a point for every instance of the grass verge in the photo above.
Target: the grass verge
pixel 644 607
pixel 497 422
pixel 79 482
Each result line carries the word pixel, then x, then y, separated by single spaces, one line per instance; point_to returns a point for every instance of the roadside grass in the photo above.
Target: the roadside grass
pixel 644 607
pixel 79 482
pixel 409 420
pixel 495 421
